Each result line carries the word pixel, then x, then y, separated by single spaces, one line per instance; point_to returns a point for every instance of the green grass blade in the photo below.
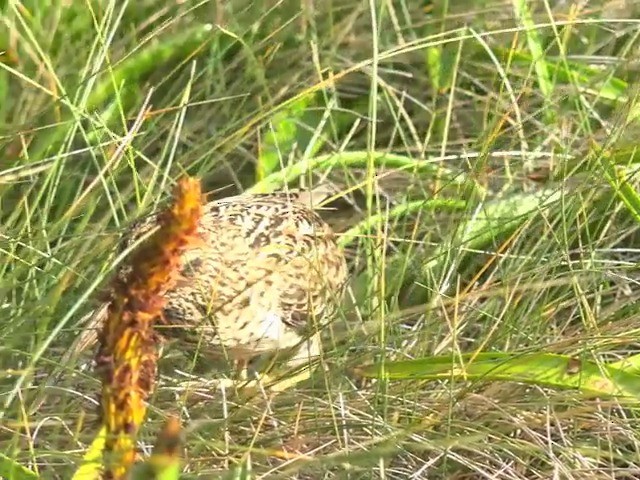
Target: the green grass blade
pixel 283 135
pixel 91 467
pixel 617 178
pixel 12 470
pixel 126 75
pixel 359 159
pixel 587 79
pixel 239 472
pixel 146 471
pixel 523 14
pixel 542 369
pixel 371 222
pixel 165 462
pixel 497 218
pixel 629 365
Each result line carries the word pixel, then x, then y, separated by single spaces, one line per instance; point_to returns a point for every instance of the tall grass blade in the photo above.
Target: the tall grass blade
pixel 12 470
pixel 542 369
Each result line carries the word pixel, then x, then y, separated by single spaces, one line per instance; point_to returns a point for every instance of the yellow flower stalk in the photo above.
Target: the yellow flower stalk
pixel 127 356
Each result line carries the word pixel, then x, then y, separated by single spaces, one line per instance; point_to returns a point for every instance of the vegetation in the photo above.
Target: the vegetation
pixel 482 155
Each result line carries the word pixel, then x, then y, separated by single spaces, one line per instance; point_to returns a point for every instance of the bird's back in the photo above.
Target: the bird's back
pixel 268 266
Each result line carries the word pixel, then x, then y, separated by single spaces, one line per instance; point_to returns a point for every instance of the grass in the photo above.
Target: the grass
pixel 483 160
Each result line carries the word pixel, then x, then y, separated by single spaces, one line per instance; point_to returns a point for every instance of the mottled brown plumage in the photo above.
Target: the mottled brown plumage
pixel 267 275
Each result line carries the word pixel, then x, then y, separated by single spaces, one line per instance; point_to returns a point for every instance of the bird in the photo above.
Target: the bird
pixel 268 275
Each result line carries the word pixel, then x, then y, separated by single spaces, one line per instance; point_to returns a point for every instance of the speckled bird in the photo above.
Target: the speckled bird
pixel 268 275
